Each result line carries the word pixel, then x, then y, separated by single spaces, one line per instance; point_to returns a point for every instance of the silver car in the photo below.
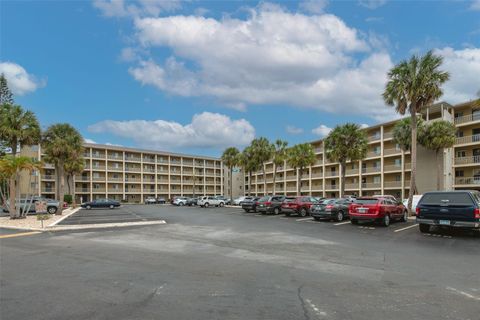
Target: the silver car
pixel 29 204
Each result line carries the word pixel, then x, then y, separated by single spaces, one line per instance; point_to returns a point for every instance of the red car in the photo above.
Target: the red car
pixel 377 209
pixel 298 205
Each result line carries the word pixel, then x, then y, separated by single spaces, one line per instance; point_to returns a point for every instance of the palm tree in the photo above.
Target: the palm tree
pixel 18 127
pixel 6 95
pixel 438 135
pixel 230 160
pixel 279 157
pixel 61 142
pixel 262 152
pixel 249 164
pixel 73 167
pixel 10 168
pixel 300 157
pixel 344 143
pixel 412 85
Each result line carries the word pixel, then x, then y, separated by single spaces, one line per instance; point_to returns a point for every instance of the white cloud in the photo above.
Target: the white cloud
pixel 293 130
pixel 322 130
pixel 207 130
pixel 313 6
pixel 364 125
pixel 19 80
pixel 121 8
pixel 88 140
pixel 464 68
pixel 128 54
pixel 272 57
pixel 372 4
pixel 475 5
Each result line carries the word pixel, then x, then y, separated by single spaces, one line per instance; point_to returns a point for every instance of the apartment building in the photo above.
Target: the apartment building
pixel 133 174
pixel 387 169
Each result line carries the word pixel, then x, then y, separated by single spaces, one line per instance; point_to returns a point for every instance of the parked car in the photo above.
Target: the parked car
pixel 52 205
pixel 452 209
pixel 191 201
pixel 209 201
pixel 238 201
pixel 150 200
pixel 180 201
pixel 377 209
pixel 226 200
pixel 415 200
pixel 336 209
pixel 298 205
pixel 250 205
pixel 270 204
pixel 161 200
pixel 101 203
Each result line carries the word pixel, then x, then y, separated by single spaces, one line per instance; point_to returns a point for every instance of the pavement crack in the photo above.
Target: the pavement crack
pixel 302 303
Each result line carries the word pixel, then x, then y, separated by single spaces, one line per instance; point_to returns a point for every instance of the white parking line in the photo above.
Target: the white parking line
pixel 341 223
pixel 304 219
pixel 406 228
pixel 463 293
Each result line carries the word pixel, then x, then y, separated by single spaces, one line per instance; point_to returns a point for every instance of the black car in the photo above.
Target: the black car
pixel 451 209
pixel 101 203
pixel 191 202
pixel 336 209
pixel 250 204
pixel 270 204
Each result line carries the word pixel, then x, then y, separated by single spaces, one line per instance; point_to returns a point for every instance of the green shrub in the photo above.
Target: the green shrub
pixel 68 198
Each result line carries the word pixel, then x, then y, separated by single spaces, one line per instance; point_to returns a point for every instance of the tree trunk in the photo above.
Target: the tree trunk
pixel 299 182
pixel 413 155
pixel 342 177
pixel 439 169
pixel 17 195
pixel 11 207
pixel 74 198
pixel 274 178
pixel 68 184
pixel 13 146
pixel 264 181
pixel 250 183
pixel 61 187
pixel 231 183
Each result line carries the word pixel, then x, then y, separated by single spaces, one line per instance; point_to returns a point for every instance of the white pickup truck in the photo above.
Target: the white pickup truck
pixel 206 202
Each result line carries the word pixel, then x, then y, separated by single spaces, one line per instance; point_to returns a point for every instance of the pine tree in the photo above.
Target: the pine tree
pixel 6 95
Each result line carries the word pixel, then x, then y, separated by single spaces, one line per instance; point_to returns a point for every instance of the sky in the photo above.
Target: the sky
pixel 200 76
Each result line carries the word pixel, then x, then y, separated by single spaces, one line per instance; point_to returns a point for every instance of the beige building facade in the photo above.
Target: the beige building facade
pixel 387 169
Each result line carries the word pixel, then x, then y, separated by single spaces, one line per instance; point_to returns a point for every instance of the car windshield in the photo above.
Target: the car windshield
pixel 447 198
pixel 366 201
pixel 263 199
pixel 290 199
pixel 328 201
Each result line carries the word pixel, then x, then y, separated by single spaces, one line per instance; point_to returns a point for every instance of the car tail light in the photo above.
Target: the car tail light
pixel 268 203
pixel 417 211
pixel 477 213
pixel 329 207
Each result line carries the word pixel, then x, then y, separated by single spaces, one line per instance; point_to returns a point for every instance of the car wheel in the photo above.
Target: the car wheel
pixel 206 205
pixel 424 228
pixel 405 216
pixel 303 212
pixel 89 207
pixel 353 221
pixel 221 204
pixel 255 210
pixel 51 210
pixel 386 220
pixel 181 204
pixel 247 210
pixel 339 216
pixel 276 211
pixel 287 214
pixel 112 206
pixel 316 218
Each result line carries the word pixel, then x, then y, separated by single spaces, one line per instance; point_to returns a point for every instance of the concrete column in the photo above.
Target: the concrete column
pixel 156 177
pixel 124 173
pixel 403 175
pixel 360 162
pixel 106 173
pixel 323 170
pixel 382 177
pixel 169 182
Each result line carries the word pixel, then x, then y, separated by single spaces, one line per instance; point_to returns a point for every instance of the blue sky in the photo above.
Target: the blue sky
pixel 198 76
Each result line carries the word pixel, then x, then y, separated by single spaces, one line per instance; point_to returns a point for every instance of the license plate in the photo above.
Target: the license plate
pixel 362 210
pixel 261 205
pixel 444 222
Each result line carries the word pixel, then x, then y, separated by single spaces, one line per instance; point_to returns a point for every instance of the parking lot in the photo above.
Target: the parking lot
pixel 223 263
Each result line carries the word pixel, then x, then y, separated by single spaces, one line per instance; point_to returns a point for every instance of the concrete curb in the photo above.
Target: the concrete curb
pixel 64 217
pixel 90 226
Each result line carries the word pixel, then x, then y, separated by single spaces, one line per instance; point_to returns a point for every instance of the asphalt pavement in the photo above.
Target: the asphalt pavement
pixel 221 263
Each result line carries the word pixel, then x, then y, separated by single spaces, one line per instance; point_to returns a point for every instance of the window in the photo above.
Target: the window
pixel 459 134
pixel 398 177
pixel 461 154
pixel 398 162
pixel 459 173
pixel 376 179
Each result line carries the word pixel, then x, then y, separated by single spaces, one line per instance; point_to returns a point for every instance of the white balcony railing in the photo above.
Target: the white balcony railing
pixel 467 160
pixel 468 139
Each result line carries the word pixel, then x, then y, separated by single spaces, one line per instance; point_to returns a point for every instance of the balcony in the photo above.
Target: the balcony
pixel 98 156
pixel 151 170
pixel 387 135
pixel 175 162
pixel 148 180
pixel 117 157
pixel 188 163
pixel 319 150
pixel 317 175
pixel 351 186
pixel 132 169
pixel 350 172
pixel 127 179
pixel 115 168
pixel 467 160
pixel 371 185
pixel 48 190
pixel 388 152
pixel 48 177
pixel 161 160
pixel 115 190
pixel 133 159
pixel 99 168
pixel 389 168
pixel 371 170
pixel 148 159
pixel 102 179
pixel 110 179
pixel 331 174
pixel 82 190
pixel 467 118
pixel 374 137
pixel 209 165
pixel 467 181
pixel 373 154
pixel 392 184
pixel 291 188
pixel 468 139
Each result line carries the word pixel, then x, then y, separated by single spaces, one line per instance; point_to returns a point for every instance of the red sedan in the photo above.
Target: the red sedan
pixel 377 209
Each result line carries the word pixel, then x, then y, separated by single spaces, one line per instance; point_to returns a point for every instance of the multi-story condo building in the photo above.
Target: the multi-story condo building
pixel 387 169
pixel 132 174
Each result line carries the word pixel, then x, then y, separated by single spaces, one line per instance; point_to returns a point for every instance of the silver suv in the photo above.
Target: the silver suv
pixel 210 201
pixel 52 205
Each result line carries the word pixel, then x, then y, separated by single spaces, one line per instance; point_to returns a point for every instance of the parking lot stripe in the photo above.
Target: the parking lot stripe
pixel 341 223
pixel 304 219
pixel 21 234
pixel 406 228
